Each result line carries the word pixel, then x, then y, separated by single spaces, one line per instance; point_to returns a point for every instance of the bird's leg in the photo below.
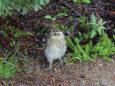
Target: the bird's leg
pixel 61 63
pixel 50 65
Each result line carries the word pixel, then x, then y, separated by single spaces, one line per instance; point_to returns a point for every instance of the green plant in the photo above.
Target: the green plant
pixel 50 17
pixel 83 22
pixel 63 28
pixel 10 59
pixel 85 1
pixel 96 26
pixel 78 52
pixel 104 47
pixel 7 7
pixel 92 28
pixel 80 1
pixel 57 26
pixel 15 34
pixel 8 64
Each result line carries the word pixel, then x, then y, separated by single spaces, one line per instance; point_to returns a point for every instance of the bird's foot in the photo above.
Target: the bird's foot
pixel 48 69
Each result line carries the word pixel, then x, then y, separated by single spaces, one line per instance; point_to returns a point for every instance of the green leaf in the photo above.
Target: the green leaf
pixel 86 1
pixel 36 7
pixel 75 1
pixel 82 19
pixel 88 59
pixel 61 14
pixel 99 30
pixel 114 37
pixel 78 58
pixel 20 34
pixel 70 43
pixel 49 17
pixel 93 34
pixel 108 59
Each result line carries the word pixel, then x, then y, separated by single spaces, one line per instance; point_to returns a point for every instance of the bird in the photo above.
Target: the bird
pixel 55 47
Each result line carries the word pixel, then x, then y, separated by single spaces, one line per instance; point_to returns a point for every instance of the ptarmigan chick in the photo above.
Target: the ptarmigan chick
pixel 55 47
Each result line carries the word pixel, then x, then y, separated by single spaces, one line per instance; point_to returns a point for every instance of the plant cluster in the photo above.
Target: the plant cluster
pixel 104 47
pixel 50 17
pixel 92 28
pixel 8 64
pixel 63 28
pixel 7 7
pixel 9 59
pixel 78 52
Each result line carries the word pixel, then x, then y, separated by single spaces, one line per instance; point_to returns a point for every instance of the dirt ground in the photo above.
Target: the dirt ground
pixel 87 73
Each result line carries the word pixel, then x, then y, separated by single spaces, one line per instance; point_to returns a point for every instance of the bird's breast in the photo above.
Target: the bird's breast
pixel 54 52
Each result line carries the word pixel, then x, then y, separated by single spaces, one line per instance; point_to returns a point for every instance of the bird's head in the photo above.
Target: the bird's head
pixel 56 34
